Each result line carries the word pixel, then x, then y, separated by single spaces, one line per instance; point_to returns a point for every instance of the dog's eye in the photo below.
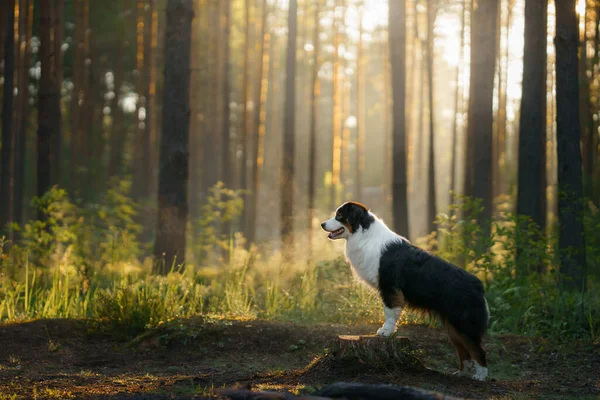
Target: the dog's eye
pixel 338 217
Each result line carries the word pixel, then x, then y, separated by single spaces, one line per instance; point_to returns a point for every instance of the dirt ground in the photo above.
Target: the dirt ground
pixel 189 359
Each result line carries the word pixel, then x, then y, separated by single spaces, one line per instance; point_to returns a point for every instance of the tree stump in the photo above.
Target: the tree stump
pixel 366 343
pixel 376 350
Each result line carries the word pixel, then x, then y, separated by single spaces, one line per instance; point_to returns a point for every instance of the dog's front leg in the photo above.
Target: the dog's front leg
pixel 391 318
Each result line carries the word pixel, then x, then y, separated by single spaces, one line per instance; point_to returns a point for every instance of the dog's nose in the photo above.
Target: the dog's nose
pixel 323 225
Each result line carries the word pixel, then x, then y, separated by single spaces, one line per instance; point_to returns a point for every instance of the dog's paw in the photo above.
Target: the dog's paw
pixel 480 373
pixel 385 331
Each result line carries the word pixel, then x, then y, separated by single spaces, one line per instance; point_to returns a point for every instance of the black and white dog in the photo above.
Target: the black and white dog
pixel 406 275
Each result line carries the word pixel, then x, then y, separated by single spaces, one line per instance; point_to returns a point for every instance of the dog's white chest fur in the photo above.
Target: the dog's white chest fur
pixel 364 248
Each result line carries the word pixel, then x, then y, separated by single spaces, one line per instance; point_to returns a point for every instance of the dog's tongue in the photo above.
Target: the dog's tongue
pixel 331 235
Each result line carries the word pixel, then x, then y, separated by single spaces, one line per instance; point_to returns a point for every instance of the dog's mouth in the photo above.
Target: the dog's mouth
pixel 335 234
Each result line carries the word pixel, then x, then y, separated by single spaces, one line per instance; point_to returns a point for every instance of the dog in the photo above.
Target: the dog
pixel 405 275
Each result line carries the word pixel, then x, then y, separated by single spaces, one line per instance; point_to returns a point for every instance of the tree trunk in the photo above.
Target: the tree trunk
pixel 312 144
pixel 481 118
pixel 117 133
pixel 499 162
pixel 149 87
pixel 211 140
pixel 287 175
pixel 169 248
pixel 360 108
pixel 140 173
pixel 226 159
pixel 7 116
pixel 457 103
pixel 58 32
pixel 48 100
pixel 431 209
pixel 585 115
pixel 337 111
pixel 245 117
pixel 259 120
pixel 21 110
pixel 570 207
pixel 532 120
pixel 397 42
pixel 226 166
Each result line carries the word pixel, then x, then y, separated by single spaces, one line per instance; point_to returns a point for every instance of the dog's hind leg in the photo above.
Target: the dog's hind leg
pixel 474 350
pixel 464 358
pixel 478 354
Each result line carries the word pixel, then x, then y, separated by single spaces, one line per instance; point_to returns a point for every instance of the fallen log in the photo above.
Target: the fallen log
pixel 364 391
pixel 341 390
pixel 246 394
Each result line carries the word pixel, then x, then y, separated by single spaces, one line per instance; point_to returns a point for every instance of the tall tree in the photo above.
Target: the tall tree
pixel 149 91
pixel 245 117
pixel 287 173
pixel 7 152
pixel 478 182
pixel 211 140
pixel 397 43
pixel 312 144
pixel 336 108
pixel 118 130
pixel 58 32
pixel 532 120
pixel 259 120
pixel 360 106
pixel 585 107
pixel 458 99
pixel 570 207
pixel 21 109
pixel 227 169
pixel 431 210
pixel 48 98
pixel 226 166
pixel 169 248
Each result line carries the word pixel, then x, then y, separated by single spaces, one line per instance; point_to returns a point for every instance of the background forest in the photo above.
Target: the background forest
pixel 166 158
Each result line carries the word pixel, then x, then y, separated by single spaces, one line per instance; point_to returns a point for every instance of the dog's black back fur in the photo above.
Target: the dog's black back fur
pixel 427 282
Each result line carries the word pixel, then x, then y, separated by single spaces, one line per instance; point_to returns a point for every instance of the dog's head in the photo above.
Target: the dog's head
pixel 349 218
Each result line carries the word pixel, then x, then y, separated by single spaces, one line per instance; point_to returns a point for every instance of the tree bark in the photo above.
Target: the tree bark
pixel 48 100
pixel 336 112
pixel 287 175
pixel 312 144
pixel 397 43
pixel 360 108
pixel 169 248
pixel 227 167
pixel 570 207
pixel 58 32
pixel 532 120
pixel 245 117
pixel 21 111
pixel 431 209
pixel 7 116
pixel 117 132
pixel 481 118
pixel 457 104
pixel 149 88
pixel 211 141
pixel 259 120
pixel 585 114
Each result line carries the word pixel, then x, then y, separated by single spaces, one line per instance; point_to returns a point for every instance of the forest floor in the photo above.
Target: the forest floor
pixel 189 358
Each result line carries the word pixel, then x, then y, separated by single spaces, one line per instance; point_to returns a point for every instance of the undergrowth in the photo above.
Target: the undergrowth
pixel 88 263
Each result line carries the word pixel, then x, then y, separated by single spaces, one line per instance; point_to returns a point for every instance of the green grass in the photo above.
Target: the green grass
pixel 86 263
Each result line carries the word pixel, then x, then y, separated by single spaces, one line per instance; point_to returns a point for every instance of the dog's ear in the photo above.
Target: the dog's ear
pixel 359 217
